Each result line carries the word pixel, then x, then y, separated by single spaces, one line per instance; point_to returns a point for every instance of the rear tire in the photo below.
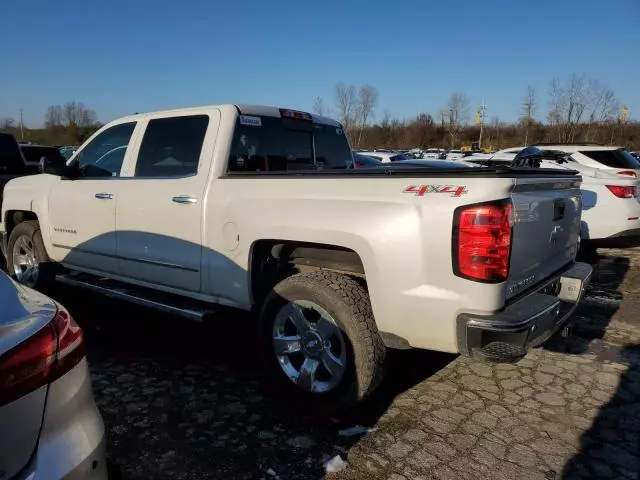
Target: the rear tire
pixel 353 350
pixel 27 259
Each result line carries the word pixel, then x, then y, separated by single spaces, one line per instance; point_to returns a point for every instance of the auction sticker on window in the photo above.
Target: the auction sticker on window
pixel 249 120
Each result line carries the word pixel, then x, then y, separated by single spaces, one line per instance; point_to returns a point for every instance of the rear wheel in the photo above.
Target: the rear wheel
pixel 319 341
pixel 27 259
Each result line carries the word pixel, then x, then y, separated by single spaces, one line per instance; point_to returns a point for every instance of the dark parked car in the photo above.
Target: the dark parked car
pixel 18 159
pixel 363 161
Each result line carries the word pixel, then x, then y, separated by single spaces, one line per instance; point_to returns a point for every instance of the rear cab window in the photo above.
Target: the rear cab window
pixel 272 144
pixel 613 158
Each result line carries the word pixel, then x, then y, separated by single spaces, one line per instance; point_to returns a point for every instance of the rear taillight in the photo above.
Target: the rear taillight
pixel 623 191
pixel 42 358
pixel 482 241
pixel 628 173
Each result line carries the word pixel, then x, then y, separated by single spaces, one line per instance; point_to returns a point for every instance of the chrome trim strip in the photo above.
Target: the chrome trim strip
pixel 137 260
pixel 191 314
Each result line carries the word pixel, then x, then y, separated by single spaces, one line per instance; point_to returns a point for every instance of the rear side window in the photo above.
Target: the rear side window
pixel 271 144
pixel 613 158
pixel 171 147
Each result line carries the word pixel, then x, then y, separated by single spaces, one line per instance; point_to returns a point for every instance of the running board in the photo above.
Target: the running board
pixel 161 301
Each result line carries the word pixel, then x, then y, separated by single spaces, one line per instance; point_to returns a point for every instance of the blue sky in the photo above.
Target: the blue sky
pixel 126 56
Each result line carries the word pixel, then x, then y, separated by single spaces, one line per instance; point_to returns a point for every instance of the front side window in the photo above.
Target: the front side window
pixel 171 147
pixel 272 144
pixel 103 156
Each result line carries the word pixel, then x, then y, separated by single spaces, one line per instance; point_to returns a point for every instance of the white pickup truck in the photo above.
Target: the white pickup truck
pixel 255 208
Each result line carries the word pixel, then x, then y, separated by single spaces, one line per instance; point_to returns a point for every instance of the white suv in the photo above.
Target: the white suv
pixel 599 156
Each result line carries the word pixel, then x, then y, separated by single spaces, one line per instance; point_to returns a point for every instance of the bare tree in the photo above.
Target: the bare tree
pixel 528 109
pixel 318 106
pixel 602 106
pixel 368 99
pixel 54 116
pixel 76 114
pixel 456 114
pixel 347 106
pixel 578 101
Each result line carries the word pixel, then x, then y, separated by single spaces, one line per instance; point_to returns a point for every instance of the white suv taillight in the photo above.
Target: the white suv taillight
pixel 621 191
pixel 42 358
pixel 482 241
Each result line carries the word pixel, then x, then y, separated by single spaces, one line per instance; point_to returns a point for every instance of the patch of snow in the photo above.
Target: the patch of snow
pixel 335 465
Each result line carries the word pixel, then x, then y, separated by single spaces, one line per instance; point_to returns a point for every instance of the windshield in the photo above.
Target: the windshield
pixel 262 144
pixel 613 158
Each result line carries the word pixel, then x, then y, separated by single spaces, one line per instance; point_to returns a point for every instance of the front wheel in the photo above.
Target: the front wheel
pixel 27 259
pixel 319 341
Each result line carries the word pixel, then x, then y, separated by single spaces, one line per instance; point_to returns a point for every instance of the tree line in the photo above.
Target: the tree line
pixel 580 109
pixel 68 124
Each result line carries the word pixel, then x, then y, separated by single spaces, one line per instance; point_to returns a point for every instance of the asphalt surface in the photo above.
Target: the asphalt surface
pixel 183 400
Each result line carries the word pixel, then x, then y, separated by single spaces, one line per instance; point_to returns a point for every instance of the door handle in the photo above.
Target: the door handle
pixel 184 200
pixel 104 196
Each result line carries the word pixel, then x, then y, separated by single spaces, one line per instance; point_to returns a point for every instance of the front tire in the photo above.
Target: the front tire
pixel 319 342
pixel 27 259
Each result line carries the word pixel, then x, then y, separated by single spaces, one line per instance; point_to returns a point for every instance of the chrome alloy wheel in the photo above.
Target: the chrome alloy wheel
pixel 309 346
pixel 25 264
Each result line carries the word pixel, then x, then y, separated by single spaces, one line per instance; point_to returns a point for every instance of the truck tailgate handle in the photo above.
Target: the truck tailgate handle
pixel 559 206
pixel 184 200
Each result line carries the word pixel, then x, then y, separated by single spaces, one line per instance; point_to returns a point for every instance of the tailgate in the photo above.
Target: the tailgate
pixel 546 229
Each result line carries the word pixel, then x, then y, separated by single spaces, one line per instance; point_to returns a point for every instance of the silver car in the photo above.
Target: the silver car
pixel 50 426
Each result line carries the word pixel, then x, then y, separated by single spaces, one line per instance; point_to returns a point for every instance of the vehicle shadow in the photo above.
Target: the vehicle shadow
pixel 610 448
pixel 183 399
pixel 602 300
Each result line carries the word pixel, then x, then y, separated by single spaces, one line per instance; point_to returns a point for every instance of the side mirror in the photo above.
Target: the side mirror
pixel 53 165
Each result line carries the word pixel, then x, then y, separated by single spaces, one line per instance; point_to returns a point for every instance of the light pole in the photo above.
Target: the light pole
pixel 481 113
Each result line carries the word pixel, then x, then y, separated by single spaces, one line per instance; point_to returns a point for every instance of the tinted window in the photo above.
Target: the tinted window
pixel 613 158
pixel 10 159
pixel 34 154
pixel 275 144
pixel 171 147
pixel 401 157
pixel 103 156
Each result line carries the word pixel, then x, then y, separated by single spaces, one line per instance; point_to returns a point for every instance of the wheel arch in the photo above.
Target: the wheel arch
pixel 272 260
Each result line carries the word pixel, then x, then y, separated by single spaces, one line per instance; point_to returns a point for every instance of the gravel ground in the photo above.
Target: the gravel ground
pixel 182 401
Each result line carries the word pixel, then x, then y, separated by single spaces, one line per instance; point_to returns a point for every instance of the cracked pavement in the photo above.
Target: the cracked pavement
pixel 183 401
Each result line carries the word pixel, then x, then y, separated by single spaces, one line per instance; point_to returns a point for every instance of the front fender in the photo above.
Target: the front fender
pixel 30 194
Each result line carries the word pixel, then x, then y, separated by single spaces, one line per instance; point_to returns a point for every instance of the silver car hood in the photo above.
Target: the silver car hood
pixel 23 312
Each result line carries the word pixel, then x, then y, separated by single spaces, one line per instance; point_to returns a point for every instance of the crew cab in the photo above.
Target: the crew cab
pixel 257 208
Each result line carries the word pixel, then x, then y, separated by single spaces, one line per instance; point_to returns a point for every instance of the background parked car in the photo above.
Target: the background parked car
pixel 12 162
pixel 611 210
pixel 50 426
pixel 33 153
pixel 362 161
pixel 387 156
